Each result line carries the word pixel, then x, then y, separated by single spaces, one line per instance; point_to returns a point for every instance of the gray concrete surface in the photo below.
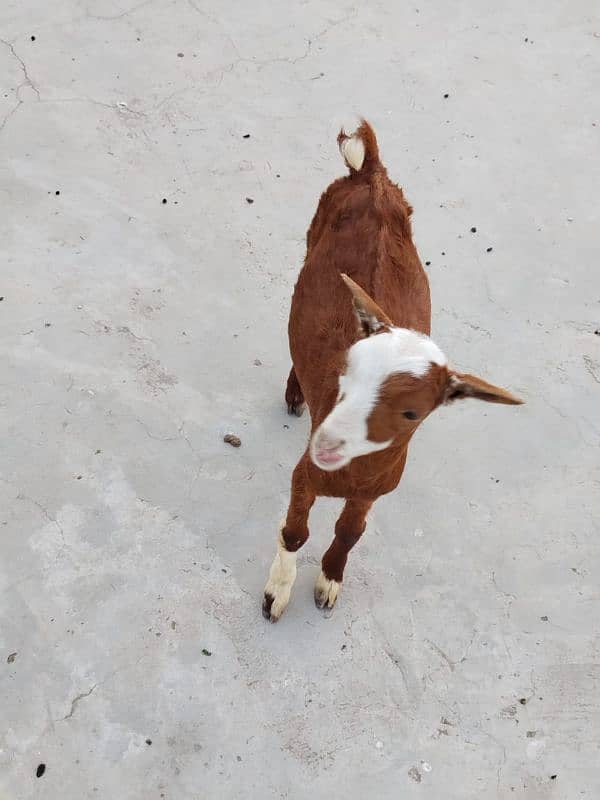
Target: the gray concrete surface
pixel 463 658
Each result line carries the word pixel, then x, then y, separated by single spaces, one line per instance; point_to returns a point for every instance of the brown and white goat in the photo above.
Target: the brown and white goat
pixel 364 363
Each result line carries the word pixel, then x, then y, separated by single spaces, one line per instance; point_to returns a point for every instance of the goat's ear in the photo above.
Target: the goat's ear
pixel 460 386
pixel 371 318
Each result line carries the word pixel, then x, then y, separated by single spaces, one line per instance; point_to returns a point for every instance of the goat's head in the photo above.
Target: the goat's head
pixel 394 378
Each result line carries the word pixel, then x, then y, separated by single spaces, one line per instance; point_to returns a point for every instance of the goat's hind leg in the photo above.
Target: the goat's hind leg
pixel 293 395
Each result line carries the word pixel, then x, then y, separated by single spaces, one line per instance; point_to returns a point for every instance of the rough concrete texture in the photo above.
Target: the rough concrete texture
pixel 462 660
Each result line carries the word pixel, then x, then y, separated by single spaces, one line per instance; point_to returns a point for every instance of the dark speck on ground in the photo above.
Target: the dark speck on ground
pixel 40 770
pixel 249 200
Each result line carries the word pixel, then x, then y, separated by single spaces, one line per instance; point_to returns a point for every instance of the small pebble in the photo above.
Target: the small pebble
pixel 553 777
pixel 544 618
pixel 523 701
pixel 488 249
pixel 179 55
pixel 473 230
pixel 257 362
pixel 57 192
pixel 47 324
pixel 11 658
pixel 443 253
pixel 1 298
pixel 206 652
pixel 40 770
pixel 597 331
pixel 427 263
pixel 232 439
pixel 249 200
pixel 246 136
pixel 164 201
pixel 148 741
pixel 33 38
pixel 446 96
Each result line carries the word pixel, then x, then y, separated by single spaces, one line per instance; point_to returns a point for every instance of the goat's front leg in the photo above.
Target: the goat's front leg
pixel 292 535
pixel 348 530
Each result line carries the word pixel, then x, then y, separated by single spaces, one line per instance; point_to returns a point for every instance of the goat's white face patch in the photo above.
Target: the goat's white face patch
pixel 343 434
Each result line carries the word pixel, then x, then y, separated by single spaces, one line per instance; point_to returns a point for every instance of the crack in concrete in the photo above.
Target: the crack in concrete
pixel 26 82
pixel 501 591
pixel 76 700
pixel 592 366
pixel 158 438
pixel 82 695
pixel 440 652
pixel 46 514
pixel 277 59
pixel 10 113
pixel 110 17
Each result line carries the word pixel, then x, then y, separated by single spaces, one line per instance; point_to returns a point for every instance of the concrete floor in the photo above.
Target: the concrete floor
pixel 463 659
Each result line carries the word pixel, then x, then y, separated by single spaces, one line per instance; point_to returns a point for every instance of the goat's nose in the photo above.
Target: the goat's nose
pixel 327 443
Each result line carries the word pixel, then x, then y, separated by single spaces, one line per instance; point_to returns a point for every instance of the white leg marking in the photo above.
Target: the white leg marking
pixel 326 591
pixel 281 579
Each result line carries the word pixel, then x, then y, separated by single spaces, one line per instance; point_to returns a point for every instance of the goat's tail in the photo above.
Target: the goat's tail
pixel 360 149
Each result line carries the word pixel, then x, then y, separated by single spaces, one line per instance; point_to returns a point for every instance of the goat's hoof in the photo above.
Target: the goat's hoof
pixel 266 605
pixel 296 409
pixel 326 591
pixel 271 608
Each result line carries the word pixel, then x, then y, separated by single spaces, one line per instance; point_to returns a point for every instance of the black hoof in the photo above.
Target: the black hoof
pixel 266 606
pixel 296 409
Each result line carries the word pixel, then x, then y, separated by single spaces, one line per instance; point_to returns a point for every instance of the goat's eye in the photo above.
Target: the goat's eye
pixel 411 415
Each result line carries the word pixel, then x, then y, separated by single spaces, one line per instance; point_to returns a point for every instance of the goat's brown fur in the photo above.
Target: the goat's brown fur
pixel 361 229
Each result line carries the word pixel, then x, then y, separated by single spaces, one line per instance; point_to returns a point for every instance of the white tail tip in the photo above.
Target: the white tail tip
pixel 353 151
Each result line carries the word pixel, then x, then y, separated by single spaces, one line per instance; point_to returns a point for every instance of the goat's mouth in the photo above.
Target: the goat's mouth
pixel 326 456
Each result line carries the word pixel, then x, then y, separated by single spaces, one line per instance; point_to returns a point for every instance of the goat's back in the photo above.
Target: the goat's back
pixel 361 228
